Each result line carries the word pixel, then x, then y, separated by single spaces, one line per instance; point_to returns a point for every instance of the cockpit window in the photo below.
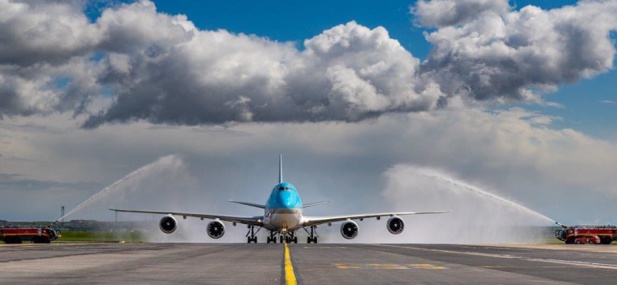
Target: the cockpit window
pixel 281 188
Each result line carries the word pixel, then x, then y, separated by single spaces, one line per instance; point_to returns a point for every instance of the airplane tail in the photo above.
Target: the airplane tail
pixel 280 168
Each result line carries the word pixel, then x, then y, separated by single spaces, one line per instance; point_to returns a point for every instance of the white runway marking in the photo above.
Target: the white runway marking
pixel 508 256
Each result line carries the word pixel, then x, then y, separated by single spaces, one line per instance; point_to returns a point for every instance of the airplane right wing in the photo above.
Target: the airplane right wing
pixel 312 221
pixel 253 221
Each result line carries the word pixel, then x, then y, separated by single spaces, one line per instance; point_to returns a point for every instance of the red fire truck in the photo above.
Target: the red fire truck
pixel 35 235
pixel 607 234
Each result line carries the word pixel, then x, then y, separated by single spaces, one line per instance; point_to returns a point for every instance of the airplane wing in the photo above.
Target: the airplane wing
pixel 249 204
pixel 254 220
pixel 312 221
pixel 315 204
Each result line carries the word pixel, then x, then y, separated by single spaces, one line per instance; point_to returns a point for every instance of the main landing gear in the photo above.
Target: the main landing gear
pixel 291 237
pixel 272 237
pixel 312 235
pixel 252 234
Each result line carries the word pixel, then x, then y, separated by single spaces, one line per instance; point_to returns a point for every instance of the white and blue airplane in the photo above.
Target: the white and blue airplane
pixel 282 217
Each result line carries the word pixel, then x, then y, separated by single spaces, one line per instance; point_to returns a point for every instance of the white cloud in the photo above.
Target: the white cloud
pixel 442 13
pixel 162 69
pixel 35 32
pixel 347 73
pixel 498 54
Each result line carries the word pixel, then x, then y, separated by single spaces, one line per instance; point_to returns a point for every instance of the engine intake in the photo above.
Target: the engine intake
pixel 349 230
pixel 168 224
pixel 395 225
pixel 215 229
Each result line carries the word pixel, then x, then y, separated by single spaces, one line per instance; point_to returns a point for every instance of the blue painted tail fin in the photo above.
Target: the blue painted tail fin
pixel 280 168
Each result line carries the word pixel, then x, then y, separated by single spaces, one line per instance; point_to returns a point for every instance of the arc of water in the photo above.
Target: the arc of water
pixel 110 188
pixel 483 193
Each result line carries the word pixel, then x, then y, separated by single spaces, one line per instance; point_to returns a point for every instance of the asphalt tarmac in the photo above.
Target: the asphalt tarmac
pixel 149 263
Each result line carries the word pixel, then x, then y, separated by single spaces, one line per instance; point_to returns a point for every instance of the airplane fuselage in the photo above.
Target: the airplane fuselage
pixel 283 210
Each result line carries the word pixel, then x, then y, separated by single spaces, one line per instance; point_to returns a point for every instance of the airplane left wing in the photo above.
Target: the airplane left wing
pixel 253 221
pixel 312 221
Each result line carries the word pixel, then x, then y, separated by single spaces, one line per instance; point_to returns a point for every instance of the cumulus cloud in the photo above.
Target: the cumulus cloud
pixel 347 73
pixel 492 53
pixel 44 49
pixel 35 32
pixel 440 13
pixel 134 63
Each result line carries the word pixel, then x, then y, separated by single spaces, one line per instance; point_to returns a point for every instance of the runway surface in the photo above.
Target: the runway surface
pixel 311 264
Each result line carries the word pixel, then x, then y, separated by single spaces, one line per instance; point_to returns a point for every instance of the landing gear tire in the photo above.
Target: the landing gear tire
pixel 313 240
pixel 250 240
pixel 289 239
pixel 271 239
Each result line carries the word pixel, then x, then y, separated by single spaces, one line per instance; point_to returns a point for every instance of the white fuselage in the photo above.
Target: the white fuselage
pixel 283 220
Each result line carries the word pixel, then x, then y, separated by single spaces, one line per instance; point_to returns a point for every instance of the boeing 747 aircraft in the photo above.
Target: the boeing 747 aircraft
pixel 282 217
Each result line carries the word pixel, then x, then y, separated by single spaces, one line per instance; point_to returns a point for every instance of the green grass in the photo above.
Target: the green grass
pixel 100 236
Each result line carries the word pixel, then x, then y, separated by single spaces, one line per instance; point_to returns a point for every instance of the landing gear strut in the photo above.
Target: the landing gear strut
pixel 252 234
pixel 312 235
pixel 272 237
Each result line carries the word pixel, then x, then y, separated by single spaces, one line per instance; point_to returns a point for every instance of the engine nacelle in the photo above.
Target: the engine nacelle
pixel 168 224
pixel 215 229
pixel 395 225
pixel 349 230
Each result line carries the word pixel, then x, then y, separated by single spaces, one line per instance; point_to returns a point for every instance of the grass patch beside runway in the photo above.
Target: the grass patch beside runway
pixel 101 236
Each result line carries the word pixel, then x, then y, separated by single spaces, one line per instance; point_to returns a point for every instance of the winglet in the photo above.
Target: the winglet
pixel 280 168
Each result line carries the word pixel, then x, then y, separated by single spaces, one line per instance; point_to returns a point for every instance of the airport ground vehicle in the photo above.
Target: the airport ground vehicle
pixel 35 235
pixel 606 234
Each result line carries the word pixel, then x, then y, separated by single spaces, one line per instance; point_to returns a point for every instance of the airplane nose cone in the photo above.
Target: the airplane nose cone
pixel 286 199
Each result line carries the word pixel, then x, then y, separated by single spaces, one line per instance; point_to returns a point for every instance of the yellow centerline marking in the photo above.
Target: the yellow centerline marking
pixel 290 276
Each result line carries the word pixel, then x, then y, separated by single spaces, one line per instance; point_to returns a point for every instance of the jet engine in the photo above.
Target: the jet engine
pixel 395 225
pixel 349 230
pixel 168 224
pixel 215 229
